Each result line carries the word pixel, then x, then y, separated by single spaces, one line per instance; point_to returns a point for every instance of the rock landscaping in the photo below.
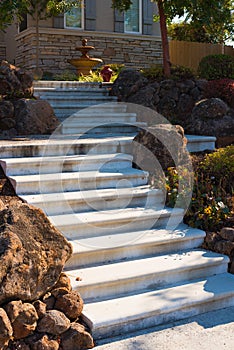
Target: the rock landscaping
pixel 38 308
pixel 182 102
pixel 20 113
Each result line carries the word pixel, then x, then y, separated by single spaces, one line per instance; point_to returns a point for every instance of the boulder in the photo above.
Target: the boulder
pixel 128 83
pixel 32 253
pixel 76 338
pixel 70 303
pixel 53 322
pixel 14 81
pixel 6 330
pixel 34 117
pixel 159 147
pixel 212 117
pixel 23 317
pixel 45 344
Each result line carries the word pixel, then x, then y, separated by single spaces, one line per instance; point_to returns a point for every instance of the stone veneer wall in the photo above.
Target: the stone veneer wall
pixel 58 45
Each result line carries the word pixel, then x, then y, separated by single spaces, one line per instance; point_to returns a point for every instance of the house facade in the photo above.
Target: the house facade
pixel 130 38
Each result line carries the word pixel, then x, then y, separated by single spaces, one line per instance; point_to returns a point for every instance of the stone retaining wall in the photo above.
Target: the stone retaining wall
pixel 58 45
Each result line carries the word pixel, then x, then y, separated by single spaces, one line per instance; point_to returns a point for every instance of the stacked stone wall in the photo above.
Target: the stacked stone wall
pixel 59 45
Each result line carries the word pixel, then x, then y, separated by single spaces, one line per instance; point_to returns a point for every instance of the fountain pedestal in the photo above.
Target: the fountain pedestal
pixel 84 64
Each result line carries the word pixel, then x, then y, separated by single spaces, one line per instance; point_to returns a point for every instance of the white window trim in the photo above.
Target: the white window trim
pixel 140 21
pixel 82 19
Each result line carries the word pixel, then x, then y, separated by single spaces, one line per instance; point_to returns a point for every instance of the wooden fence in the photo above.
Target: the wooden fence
pixel 189 54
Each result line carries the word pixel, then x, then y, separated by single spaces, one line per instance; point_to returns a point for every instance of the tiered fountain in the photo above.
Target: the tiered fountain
pixel 84 64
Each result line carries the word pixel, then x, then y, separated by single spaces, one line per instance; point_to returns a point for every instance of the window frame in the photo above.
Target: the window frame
pixel 82 19
pixel 140 20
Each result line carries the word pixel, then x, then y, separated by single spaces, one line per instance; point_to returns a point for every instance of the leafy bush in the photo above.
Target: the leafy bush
pixel 177 73
pixel 223 88
pixel 212 198
pixel 213 67
pixel 66 75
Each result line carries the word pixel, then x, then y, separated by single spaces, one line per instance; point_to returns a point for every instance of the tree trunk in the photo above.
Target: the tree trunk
pixel 165 43
pixel 37 39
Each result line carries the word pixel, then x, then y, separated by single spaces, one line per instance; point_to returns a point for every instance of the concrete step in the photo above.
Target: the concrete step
pixel 104 199
pixel 132 245
pixel 60 145
pixel 63 99
pixel 152 273
pixel 102 128
pixel 93 224
pixel 197 143
pixel 103 117
pixel 148 309
pixel 56 164
pixel 75 181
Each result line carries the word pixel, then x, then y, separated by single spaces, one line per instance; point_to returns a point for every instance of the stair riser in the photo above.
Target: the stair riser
pixel 79 120
pixel 125 252
pixel 152 319
pixel 115 129
pixel 64 206
pixel 84 230
pixel 47 167
pixel 75 185
pixel 61 100
pixel 147 282
pixel 61 150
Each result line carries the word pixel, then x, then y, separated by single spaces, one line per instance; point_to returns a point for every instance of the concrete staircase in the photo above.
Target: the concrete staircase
pixel 70 98
pixel 134 261
pixel 67 98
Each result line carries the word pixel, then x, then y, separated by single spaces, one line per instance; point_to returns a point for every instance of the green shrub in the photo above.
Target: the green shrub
pixel 212 198
pixel 213 67
pixel 155 72
pixel 66 75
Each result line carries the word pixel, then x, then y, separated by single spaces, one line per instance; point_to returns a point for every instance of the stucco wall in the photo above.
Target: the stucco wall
pixel 58 45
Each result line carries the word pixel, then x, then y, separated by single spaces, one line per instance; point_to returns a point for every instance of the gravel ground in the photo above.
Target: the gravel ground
pixel 210 331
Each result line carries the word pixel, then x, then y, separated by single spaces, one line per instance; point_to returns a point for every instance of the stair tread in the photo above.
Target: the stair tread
pixel 157 302
pixel 60 158
pixel 127 172
pixel 108 216
pixel 128 239
pixel 89 194
pixel 114 273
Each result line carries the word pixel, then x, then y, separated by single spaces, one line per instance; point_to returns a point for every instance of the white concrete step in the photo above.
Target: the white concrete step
pixel 148 309
pixel 93 224
pixel 197 143
pixel 60 145
pixel 131 245
pixel 102 117
pixel 68 163
pixel 75 181
pixel 102 128
pixel 104 199
pixel 152 273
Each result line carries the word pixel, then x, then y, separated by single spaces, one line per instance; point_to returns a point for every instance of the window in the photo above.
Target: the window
pixel 132 18
pixel 74 18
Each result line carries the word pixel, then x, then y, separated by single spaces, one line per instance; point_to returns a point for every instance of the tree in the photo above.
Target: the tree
pixel 38 9
pixel 216 30
pixel 220 11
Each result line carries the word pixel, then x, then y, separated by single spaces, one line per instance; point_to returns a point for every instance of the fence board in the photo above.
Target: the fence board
pixel 189 54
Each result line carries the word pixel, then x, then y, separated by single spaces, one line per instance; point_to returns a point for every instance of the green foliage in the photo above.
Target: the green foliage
pixel 213 67
pixel 155 72
pixel 41 9
pixel 212 198
pixel 69 75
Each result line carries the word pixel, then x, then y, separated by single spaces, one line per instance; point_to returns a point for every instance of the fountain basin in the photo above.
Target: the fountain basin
pixel 84 65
